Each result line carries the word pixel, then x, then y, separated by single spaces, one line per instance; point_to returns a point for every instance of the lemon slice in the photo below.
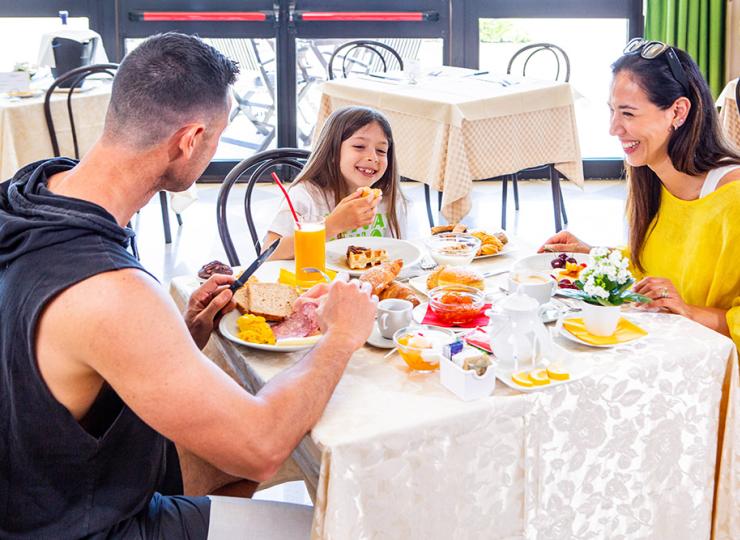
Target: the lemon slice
pixel 538 377
pixel 557 372
pixel 521 379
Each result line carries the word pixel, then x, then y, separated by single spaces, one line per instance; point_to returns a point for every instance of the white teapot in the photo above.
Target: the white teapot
pixel 518 336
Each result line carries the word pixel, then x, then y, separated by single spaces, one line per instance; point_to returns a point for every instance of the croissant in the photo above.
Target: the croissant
pixel 381 276
pixel 399 290
pixel 433 277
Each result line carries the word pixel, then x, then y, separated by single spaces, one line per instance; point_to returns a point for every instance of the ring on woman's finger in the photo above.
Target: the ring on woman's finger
pixel 664 292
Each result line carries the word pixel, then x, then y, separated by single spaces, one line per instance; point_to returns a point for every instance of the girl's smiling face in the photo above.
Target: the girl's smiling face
pixel 641 126
pixel 363 157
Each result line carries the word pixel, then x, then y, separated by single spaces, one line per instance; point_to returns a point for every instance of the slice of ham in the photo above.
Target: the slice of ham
pixel 302 322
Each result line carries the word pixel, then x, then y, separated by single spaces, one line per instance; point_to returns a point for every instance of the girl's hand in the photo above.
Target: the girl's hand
pixel 564 241
pixel 664 296
pixel 352 212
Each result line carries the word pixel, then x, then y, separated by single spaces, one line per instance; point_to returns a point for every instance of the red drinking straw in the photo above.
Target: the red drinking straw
pixel 290 204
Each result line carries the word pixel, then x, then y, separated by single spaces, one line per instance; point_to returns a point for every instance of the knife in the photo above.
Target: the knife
pixel 239 283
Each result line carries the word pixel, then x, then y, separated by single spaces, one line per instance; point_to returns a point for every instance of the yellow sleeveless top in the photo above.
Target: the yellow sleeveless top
pixel 696 244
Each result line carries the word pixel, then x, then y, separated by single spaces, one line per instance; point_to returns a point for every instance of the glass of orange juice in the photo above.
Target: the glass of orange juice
pixel 309 243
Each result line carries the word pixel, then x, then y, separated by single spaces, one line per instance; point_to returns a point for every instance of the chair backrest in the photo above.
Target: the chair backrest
pixel 76 76
pixel 257 166
pixel 363 56
pixel 526 53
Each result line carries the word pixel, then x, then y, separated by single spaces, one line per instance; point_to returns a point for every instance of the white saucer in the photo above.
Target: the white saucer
pixel 376 340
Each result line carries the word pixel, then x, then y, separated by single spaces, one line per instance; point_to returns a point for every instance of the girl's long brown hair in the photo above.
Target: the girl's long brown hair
pixel 695 148
pixel 322 168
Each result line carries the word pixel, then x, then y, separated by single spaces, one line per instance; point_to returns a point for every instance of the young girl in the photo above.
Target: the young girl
pixel 354 151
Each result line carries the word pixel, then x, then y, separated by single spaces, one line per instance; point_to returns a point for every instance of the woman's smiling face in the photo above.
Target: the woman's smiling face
pixel 643 129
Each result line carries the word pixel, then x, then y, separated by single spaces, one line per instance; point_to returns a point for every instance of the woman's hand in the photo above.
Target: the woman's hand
pixel 564 241
pixel 352 212
pixel 206 306
pixel 664 296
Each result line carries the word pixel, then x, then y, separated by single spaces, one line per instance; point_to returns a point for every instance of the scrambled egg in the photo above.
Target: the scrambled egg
pixel 255 329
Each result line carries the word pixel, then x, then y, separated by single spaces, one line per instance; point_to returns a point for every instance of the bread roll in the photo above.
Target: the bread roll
pixel 381 276
pixel 460 275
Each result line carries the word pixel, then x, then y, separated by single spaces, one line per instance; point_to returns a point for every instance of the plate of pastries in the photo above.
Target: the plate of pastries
pixel 491 243
pixel 359 255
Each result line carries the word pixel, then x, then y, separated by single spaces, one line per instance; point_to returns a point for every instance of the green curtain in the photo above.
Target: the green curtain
pixel 696 26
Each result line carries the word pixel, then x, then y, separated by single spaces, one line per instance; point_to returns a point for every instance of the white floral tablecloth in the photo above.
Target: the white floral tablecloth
pixel 637 449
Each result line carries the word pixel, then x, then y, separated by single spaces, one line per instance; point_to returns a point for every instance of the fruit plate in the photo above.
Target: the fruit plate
pixel 577 370
pixel 336 252
pixel 230 331
pixel 540 264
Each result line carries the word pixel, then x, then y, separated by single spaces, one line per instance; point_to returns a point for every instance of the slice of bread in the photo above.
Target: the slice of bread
pixel 241 297
pixel 273 301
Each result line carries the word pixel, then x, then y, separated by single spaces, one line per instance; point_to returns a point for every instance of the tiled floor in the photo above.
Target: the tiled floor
pixel 596 213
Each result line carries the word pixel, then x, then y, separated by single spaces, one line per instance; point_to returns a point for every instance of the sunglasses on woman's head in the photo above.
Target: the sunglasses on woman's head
pixel 653 49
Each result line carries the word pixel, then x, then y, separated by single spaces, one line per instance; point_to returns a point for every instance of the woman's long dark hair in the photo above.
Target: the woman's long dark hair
pixel 695 148
pixel 322 168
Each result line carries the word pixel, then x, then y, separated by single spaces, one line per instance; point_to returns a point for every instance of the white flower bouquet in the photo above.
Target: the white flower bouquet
pixel 606 280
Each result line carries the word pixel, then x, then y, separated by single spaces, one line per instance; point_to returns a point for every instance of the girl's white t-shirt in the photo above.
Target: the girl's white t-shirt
pixel 310 202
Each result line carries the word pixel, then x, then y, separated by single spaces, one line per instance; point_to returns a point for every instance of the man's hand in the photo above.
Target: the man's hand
pixel 206 306
pixel 347 313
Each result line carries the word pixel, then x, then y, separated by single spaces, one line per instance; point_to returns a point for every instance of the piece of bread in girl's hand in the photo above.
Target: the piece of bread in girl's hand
pixel 399 290
pixel 367 191
pixel 379 277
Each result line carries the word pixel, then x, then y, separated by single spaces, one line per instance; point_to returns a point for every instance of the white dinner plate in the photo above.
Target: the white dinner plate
pixel 420 282
pixel 540 264
pixel 336 252
pixel 567 335
pixel 577 370
pixel 230 331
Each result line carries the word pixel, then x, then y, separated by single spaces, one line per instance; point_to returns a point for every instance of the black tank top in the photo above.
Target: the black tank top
pixel 60 478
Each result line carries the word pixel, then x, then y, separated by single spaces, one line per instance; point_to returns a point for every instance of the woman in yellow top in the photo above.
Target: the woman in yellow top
pixel 683 205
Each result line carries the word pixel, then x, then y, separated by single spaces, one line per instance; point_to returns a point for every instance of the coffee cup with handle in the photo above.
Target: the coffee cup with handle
pixel 532 284
pixel 393 314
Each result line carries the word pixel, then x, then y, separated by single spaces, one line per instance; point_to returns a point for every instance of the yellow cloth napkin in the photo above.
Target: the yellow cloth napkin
pixel 288 278
pixel 626 331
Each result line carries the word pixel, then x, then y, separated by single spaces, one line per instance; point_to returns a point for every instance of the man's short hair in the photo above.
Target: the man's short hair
pixel 167 81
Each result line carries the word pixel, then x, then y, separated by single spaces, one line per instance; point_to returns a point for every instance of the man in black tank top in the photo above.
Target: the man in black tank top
pixel 99 371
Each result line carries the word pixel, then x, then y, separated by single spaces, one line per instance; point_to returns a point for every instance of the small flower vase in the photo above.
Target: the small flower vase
pixel 601 320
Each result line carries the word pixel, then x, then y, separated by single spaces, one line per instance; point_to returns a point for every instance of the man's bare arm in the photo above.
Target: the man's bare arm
pixel 134 338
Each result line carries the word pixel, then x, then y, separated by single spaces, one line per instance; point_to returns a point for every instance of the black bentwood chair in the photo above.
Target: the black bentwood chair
pixel 258 167
pixel 363 56
pixel 70 82
pixel 519 62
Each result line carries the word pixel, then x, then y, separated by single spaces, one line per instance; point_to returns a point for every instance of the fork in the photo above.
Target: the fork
pixel 427 263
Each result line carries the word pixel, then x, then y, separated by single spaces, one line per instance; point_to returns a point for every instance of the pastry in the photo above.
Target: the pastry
pixel 454 228
pixel 214 267
pixel 490 244
pixel 455 275
pixel 381 276
pixel 359 257
pixel 399 290
pixel 373 193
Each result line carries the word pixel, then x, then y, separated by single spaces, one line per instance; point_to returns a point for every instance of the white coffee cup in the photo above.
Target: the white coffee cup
pixel 393 314
pixel 534 285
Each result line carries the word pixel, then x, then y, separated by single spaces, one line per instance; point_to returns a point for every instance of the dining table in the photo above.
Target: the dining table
pixel 24 136
pixel 454 125
pixel 729 116
pixel 645 445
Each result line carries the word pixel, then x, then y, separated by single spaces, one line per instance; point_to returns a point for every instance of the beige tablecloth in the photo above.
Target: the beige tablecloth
pixel 451 129
pixel 728 115
pixel 630 449
pixel 24 137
